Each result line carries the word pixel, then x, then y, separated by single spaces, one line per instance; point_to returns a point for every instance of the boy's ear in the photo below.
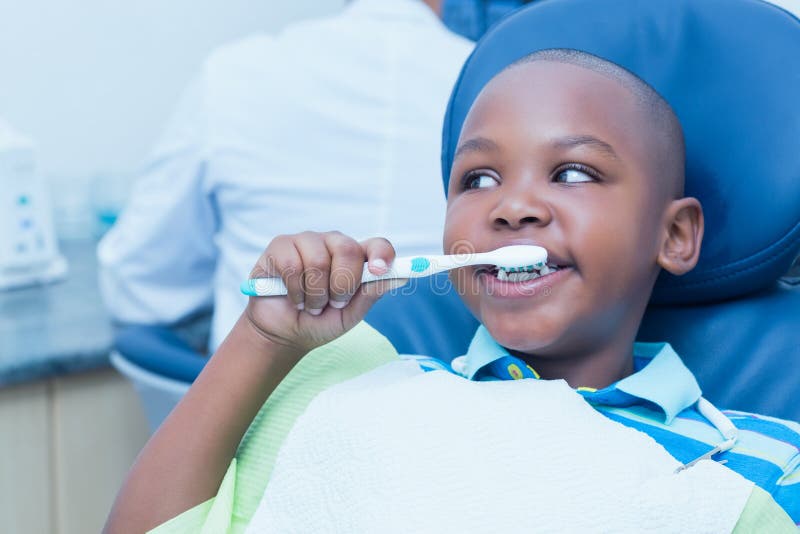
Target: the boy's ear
pixel 683 227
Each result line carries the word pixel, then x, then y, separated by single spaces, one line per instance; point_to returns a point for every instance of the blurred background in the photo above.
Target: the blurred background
pixel 87 88
pixel 93 83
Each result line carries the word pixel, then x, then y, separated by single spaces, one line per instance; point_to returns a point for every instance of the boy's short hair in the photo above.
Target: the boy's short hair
pixel 672 157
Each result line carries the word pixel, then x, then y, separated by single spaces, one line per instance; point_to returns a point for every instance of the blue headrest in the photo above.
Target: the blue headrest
pixel 731 71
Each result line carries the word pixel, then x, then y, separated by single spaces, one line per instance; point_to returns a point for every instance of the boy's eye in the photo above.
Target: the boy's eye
pixel 575 175
pixel 479 181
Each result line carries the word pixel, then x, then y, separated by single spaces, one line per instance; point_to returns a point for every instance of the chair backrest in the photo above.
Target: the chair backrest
pixel 425 317
pixel 731 71
pixel 751 363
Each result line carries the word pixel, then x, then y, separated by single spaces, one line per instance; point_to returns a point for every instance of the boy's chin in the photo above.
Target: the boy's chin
pixel 522 336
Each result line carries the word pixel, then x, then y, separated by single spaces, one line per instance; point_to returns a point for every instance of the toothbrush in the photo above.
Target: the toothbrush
pixel 511 259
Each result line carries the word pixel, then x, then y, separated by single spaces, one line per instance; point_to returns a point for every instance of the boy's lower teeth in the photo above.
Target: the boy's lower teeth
pixel 519 277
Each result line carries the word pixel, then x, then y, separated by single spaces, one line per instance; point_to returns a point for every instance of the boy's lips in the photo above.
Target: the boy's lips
pixel 541 286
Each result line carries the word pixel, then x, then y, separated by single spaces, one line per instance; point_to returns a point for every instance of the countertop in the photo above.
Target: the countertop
pixel 55 329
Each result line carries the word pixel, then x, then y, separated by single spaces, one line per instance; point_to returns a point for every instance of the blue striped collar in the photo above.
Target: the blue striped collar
pixel 660 376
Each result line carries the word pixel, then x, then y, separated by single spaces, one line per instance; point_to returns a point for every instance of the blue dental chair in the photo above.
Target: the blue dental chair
pixel 731 70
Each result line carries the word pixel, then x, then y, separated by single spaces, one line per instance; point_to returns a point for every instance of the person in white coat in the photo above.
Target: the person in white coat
pixel 333 123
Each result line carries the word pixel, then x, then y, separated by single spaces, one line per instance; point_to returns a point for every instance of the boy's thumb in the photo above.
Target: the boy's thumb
pixel 376 290
pixel 367 295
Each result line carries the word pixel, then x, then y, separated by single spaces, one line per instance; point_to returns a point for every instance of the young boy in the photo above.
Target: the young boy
pixel 563 150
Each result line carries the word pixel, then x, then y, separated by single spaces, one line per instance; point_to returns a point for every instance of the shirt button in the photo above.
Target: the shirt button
pixel 459 366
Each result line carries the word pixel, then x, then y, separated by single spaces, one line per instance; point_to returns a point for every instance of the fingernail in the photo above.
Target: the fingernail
pixel 379 264
pixel 315 311
pixel 301 306
pixel 339 304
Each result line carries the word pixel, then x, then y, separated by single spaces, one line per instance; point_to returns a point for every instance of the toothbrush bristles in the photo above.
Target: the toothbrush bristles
pixel 520 269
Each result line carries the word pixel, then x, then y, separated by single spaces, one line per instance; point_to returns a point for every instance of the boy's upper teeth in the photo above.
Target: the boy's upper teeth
pixel 521 274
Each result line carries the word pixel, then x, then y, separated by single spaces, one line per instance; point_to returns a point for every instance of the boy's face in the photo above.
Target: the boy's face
pixel 559 156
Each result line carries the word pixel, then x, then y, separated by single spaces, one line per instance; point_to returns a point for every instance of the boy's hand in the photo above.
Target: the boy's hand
pixel 322 273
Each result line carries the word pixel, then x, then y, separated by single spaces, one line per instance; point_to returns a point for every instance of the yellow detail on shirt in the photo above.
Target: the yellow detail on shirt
pixel 514 371
pixel 533 371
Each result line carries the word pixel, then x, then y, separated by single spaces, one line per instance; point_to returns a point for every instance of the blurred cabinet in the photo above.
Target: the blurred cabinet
pixel 66 445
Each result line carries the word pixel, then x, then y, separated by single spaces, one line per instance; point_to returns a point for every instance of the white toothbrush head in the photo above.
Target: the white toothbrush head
pixel 516 257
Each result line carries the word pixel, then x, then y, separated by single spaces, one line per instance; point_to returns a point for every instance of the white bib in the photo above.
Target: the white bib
pixel 397 450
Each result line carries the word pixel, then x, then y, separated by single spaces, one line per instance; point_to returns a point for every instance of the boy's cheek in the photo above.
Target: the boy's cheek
pixel 456 240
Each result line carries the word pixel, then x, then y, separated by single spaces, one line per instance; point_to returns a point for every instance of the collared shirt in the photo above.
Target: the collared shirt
pixel 333 123
pixel 660 399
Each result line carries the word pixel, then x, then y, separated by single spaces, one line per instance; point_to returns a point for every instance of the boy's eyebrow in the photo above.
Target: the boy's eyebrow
pixel 482 144
pixel 579 140
pixel 479 144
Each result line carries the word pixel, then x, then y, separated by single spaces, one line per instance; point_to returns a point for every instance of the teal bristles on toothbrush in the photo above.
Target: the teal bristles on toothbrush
pixel 511 259
pixel 419 265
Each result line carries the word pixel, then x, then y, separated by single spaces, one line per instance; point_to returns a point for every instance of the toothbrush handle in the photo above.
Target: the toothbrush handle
pixel 413 267
pixel 263 287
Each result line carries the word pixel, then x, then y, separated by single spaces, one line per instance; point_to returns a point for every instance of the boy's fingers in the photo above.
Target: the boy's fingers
pixel 291 271
pixel 380 254
pixel 347 265
pixel 316 270
pixel 282 259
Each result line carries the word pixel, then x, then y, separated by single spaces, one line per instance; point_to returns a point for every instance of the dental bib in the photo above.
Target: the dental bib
pixel 399 450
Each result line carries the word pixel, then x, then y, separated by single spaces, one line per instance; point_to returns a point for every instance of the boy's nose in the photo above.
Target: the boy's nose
pixel 519 209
